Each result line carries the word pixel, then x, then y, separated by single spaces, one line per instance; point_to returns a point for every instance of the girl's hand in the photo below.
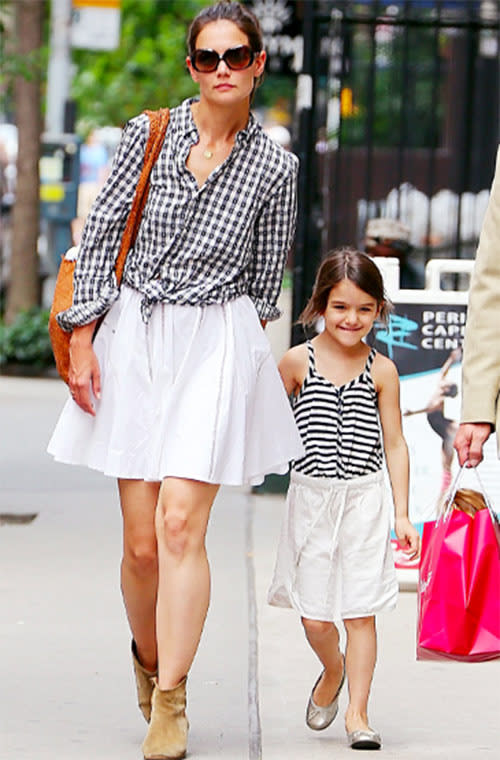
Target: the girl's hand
pixel 408 537
pixel 84 373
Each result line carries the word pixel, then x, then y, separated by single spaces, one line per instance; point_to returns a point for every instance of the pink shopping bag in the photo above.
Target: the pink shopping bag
pixel 459 587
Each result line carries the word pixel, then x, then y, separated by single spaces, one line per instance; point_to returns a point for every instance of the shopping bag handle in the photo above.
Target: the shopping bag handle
pixel 454 488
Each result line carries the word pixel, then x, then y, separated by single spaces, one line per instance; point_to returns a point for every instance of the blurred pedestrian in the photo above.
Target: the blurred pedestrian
pixel 93 160
pixel 334 558
pixel 94 170
pixel 179 393
pixel 391 238
pixel 481 363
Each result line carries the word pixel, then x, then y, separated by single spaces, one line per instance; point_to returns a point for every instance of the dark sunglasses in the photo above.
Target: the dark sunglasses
pixel 237 59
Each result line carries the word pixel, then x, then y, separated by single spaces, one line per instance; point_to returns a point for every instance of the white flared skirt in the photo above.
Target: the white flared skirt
pixel 195 393
pixel 334 558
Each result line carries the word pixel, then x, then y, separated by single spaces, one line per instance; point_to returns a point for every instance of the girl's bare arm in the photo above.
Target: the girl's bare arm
pixel 293 369
pixel 396 451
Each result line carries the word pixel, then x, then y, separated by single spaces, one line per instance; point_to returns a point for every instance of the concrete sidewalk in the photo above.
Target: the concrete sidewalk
pixel 66 686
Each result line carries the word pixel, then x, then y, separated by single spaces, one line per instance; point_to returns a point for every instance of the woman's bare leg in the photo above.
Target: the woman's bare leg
pixel 361 655
pixel 184 575
pixel 323 637
pixel 139 568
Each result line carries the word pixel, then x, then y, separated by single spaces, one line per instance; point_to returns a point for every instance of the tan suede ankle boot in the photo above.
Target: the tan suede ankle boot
pixel 167 734
pixel 144 683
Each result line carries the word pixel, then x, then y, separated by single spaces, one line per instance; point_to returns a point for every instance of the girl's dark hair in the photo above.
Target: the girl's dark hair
pixel 345 264
pixel 226 10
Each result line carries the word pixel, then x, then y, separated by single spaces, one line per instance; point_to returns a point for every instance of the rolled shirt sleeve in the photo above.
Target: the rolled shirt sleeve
pixel 274 233
pixel 94 281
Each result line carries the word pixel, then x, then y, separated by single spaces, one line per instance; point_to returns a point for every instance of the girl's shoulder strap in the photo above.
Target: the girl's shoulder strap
pixel 310 351
pixel 371 357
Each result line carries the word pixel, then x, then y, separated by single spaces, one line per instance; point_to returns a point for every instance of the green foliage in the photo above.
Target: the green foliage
pixel 26 340
pixel 406 76
pixel 275 88
pixel 147 70
pixel 27 66
pixel 12 64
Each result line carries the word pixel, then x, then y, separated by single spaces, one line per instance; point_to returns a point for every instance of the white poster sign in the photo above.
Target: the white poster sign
pixel 424 338
pixel 95 24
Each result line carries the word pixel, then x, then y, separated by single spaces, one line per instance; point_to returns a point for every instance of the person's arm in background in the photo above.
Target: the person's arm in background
pixel 481 362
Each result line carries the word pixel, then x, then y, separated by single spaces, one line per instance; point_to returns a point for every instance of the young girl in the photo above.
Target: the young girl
pixel 334 558
pixel 177 393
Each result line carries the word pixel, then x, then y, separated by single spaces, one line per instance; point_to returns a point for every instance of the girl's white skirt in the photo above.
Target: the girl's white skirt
pixel 334 557
pixel 195 394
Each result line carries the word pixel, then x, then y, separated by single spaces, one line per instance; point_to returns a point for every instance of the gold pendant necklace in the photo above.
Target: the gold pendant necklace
pixel 207 153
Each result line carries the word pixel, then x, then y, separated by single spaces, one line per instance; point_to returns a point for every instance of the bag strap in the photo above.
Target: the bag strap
pixel 454 488
pixel 158 122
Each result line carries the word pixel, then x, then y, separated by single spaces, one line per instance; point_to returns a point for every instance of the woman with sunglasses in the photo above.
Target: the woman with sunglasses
pixel 179 394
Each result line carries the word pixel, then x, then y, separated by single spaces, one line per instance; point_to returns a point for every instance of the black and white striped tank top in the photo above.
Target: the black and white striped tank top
pixel 339 426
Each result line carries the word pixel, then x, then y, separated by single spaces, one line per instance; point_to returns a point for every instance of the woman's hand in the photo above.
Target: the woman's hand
pixel 408 537
pixel 84 373
pixel 469 442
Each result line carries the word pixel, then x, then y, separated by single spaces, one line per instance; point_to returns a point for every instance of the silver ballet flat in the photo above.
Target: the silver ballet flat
pixel 318 717
pixel 364 739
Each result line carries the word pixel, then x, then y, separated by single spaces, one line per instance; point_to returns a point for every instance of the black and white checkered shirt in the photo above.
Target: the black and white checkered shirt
pixel 195 246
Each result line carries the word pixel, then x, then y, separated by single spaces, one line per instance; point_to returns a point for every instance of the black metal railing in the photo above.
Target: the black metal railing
pixel 403 122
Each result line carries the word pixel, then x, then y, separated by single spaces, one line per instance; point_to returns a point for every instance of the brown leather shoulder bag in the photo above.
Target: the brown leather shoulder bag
pixel 63 292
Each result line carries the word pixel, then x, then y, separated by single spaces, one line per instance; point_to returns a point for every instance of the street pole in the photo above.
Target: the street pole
pixel 59 68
